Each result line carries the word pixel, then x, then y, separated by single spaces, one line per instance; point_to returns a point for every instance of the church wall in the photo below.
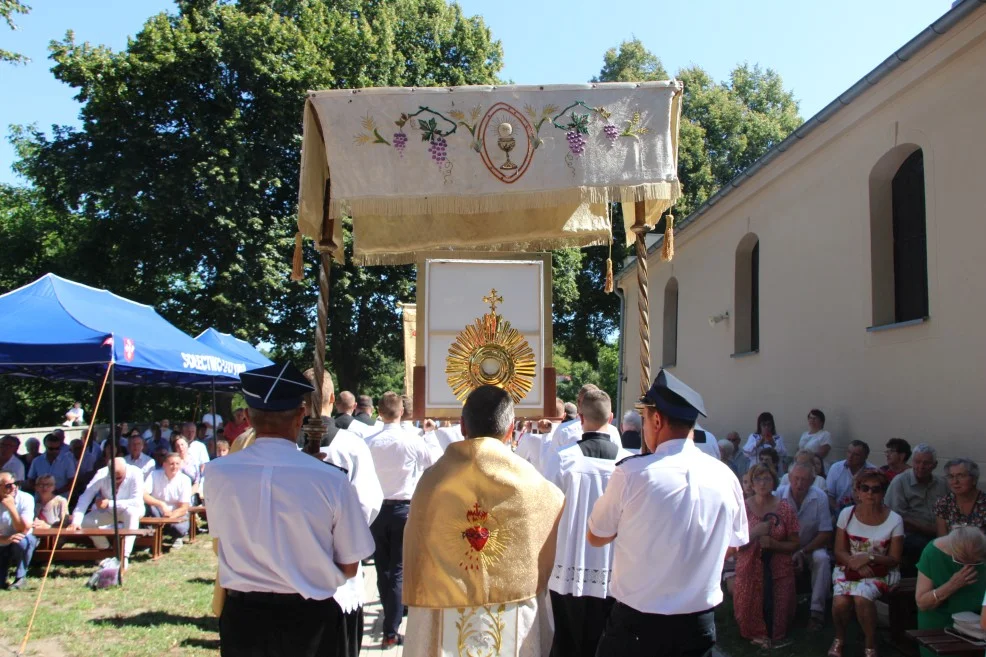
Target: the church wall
pixel 810 209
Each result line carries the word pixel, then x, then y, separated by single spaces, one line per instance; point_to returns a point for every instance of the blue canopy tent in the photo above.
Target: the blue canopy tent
pixel 234 348
pixel 57 329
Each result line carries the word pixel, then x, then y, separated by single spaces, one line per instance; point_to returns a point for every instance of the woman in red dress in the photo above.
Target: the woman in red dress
pixel 774 533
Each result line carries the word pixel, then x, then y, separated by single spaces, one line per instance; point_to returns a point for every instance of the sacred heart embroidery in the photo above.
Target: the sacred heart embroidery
pixel 477 537
pixel 485 538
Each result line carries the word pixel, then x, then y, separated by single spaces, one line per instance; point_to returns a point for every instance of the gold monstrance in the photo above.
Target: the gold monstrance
pixel 490 352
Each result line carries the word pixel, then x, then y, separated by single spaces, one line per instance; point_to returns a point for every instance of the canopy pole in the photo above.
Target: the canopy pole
pixel 640 229
pixel 110 470
pixel 315 429
pixel 215 425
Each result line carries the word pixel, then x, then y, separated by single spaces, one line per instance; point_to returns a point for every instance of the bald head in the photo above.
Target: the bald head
pixel 559 407
pixel 346 402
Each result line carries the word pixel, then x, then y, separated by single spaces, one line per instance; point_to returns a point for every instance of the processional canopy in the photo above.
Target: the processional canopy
pixel 487 168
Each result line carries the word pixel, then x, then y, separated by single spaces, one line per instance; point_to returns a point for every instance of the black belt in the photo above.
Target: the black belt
pixel 630 610
pixel 396 502
pixel 270 598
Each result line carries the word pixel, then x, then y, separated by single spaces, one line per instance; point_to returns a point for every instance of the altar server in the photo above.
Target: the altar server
pixel 580 597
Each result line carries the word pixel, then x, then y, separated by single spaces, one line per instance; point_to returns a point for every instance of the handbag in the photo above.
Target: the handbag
pixel 852 575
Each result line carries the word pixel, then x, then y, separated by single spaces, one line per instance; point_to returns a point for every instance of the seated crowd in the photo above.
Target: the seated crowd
pixel 852 532
pixel 156 473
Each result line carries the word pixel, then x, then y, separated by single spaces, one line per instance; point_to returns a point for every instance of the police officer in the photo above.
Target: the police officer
pixel 290 530
pixel 673 516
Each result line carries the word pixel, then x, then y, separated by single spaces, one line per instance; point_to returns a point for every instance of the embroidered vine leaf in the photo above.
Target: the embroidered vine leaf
pixel 401 121
pixel 579 123
pixel 429 129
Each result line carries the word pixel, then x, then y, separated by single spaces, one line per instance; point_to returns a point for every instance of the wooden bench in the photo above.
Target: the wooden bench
pixel 193 521
pixel 156 540
pixel 903 613
pixel 86 551
pixel 941 643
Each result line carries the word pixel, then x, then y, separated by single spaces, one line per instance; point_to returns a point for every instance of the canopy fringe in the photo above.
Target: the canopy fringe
pixel 364 259
pixel 659 192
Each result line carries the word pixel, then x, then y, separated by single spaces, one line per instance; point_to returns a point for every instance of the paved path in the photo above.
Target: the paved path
pixel 373 620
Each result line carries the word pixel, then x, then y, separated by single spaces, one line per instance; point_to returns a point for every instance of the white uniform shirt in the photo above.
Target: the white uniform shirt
pixel 130 494
pixel 684 509
pixel 283 519
pixel 532 447
pixel 410 428
pixel 569 433
pixel 349 451
pixel 24 504
pixel 15 467
pixel 399 459
pixel 173 492
pixel 580 569
pixel 144 463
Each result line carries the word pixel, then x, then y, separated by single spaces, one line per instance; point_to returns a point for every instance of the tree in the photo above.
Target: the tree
pixel 181 179
pixel 725 128
pixel 7 10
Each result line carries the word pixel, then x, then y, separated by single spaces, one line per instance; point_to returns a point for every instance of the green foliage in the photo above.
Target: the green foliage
pixel 179 187
pixel 725 128
pixel 573 374
pixel 7 10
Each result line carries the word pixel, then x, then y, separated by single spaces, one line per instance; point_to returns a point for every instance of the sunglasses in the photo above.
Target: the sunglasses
pixel 865 488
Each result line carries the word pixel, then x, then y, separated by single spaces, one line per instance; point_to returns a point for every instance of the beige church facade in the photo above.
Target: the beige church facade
pixel 848 272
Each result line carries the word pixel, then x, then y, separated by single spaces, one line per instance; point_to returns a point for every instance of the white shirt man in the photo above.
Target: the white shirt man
pixel 137 458
pixel 198 453
pixel 280 559
pixel 399 458
pixel 165 431
pixel 569 433
pixel 815 523
pixel 839 481
pixel 212 423
pixel 168 494
pixel 681 505
pixel 17 541
pixel 129 503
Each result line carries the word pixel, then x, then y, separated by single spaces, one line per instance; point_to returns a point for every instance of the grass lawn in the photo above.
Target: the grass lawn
pixel 803 643
pixel 163 608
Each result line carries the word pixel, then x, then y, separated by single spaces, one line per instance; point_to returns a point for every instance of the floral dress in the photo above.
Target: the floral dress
pixel 947 508
pixel 748 594
pixel 870 539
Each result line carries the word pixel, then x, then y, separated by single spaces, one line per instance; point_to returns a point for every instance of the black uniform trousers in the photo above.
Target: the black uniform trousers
pixel 579 622
pixel 277 624
pixel 388 559
pixel 632 633
pixel 352 626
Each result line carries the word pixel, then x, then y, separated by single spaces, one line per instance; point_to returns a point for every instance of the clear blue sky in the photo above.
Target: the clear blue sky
pixel 819 48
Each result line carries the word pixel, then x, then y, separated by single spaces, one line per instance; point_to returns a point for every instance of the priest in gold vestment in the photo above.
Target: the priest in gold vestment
pixel 479 544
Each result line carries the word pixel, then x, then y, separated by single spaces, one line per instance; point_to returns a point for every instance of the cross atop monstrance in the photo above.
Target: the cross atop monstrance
pixel 492 299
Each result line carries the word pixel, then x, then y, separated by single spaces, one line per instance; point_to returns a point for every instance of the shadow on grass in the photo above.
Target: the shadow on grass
pixel 156 618
pixel 201 580
pixel 206 644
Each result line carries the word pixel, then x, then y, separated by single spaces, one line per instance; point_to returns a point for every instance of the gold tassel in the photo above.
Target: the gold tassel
pixel 668 252
pixel 609 276
pixel 298 261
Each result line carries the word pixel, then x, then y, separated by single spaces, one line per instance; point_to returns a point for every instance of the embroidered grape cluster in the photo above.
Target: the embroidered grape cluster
pixel 437 149
pixel 400 142
pixel 612 132
pixel 576 142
